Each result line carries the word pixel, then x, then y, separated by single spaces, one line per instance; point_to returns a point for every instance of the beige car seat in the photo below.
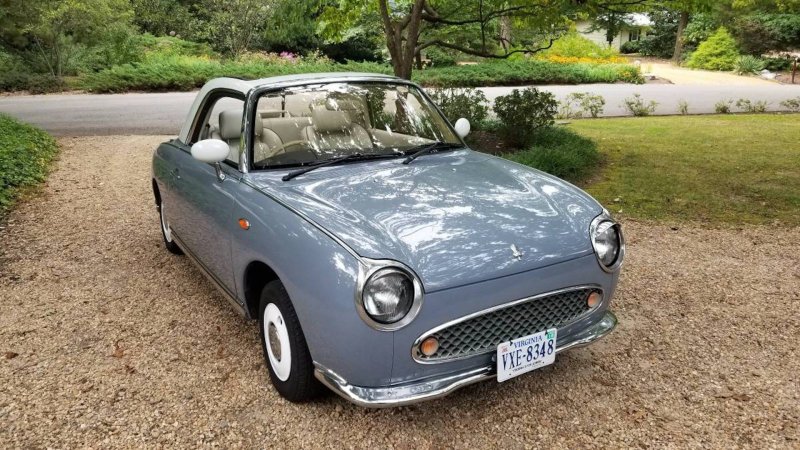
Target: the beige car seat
pixel 335 130
pixel 230 131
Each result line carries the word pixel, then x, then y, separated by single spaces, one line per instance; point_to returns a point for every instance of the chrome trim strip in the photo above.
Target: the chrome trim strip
pixel 605 216
pixel 415 348
pixel 430 389
pixel 222 289
pixel 365 271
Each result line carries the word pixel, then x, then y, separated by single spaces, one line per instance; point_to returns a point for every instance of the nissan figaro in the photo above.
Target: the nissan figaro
pixel 381 256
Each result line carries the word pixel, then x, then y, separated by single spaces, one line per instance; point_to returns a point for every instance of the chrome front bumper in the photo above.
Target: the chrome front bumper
pixel 433 388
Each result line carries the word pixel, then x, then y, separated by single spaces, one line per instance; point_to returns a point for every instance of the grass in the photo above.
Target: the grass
pixel 730 169
pixel 25 155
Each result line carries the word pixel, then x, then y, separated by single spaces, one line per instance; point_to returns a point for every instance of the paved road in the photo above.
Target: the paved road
pixel 163 113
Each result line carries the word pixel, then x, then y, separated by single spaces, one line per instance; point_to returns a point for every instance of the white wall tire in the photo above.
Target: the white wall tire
pixel 279 351
pixel 166 230
pixel 286 354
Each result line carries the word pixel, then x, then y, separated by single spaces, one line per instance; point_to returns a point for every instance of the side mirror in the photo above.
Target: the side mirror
pixel 210 150
pixel 462 127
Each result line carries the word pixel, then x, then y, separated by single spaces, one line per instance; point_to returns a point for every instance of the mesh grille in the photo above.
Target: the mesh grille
pixel 484 333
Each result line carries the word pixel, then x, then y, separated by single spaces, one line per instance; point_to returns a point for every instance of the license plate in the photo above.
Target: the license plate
pixel 525 354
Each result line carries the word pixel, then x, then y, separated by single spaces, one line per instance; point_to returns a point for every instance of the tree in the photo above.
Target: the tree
pixel 233 24
pixel 57 31
pixel 478 28
pixel 612 22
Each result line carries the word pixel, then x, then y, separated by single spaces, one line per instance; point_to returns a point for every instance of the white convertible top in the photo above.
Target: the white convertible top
pixel 244 86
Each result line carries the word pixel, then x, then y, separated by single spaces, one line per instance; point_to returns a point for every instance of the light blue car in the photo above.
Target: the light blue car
pixel 381 256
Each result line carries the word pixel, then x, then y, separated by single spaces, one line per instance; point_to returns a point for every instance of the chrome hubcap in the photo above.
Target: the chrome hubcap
pixel 274 342
pixel 165 224
pixel 279 352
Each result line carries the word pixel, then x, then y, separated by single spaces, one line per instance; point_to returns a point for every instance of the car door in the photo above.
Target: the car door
pixel 203 192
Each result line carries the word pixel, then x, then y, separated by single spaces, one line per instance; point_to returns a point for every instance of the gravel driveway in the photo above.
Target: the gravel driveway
pixel 107 340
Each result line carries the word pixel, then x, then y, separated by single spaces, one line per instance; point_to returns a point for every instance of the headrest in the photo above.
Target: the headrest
pixel 327 121
pixel 230 124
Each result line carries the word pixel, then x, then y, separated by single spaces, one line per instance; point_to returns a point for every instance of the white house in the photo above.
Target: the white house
pixel 638 26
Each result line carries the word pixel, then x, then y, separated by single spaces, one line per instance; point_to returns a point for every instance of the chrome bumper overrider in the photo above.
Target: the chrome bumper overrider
pixel 433 388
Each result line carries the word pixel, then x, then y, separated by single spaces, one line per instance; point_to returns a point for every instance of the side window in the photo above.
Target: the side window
pixel 224 122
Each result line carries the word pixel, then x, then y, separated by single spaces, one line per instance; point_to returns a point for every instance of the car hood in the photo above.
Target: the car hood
pixel 455 218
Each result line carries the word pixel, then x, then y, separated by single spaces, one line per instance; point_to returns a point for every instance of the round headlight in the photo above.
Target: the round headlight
pixel 606 241
pixel 388 295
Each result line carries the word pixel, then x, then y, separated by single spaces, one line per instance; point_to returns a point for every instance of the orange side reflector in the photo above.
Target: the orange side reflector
pixel 594 299
pixel 244 223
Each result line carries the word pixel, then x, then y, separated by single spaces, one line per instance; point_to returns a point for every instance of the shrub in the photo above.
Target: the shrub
pixel 25 153
pixel 440 58
pixel 574 45
pixel 523 112
pixel 749 65
pixel 639 107
pixel 560 152
pixel 630 47
pixel 760 33
pixel 777 64
pixel 456 103
pixel 660 40
pixel 719 52
pixel 700 27
pixel 792 104
pixel 531 71
pixel 586 102
pixel 723 106
pixel 752 107
pixel 683 107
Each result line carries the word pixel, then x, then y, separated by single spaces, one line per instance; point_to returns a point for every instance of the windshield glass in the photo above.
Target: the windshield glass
pixel 304 125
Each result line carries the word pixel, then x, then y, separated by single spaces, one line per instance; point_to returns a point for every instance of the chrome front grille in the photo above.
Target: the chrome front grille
pixel 484 331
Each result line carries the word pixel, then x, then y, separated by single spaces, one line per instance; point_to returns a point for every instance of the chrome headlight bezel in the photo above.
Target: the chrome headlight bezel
pixel 605 217
pixel 367 270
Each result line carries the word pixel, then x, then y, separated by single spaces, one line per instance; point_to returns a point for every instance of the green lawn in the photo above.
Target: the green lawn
pixel 717 169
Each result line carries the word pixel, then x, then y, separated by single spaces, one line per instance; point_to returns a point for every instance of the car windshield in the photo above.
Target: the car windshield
pixel 305 125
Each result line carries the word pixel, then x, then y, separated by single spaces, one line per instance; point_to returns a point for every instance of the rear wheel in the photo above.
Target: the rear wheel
pixel 291 369
pixel 166 232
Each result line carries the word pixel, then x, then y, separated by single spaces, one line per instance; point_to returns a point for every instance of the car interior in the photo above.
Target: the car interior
pixel 305 126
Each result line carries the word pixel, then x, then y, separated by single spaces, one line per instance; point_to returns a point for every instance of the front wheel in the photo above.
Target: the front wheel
pixel 166 231
pixel 291 369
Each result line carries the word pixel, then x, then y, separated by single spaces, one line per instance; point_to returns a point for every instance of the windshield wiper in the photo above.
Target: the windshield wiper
pixel 332 161
pixel 429 148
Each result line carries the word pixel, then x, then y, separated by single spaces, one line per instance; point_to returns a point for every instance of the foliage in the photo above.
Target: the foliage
pixel 683 107
pixel 440 58
pixel 560 152
pixel 637 106
pixel 578 104
pixel 719 52
pixel 456 103
pixel 523 112
pixel 752 107
pixel 58 33
pixel 700 28
pixel 723 106
pixel 760 33
pixel 168 18
pixel 573 45
pixel 792 104
pixel 25 154
pixel 730 169
pixel 630 47
pixel 509 73
pixel 749 65
pixel 234 24
pixel 777 64
pixel 660 41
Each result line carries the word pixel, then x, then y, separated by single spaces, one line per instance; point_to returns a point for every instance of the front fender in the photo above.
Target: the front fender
pixel 320 276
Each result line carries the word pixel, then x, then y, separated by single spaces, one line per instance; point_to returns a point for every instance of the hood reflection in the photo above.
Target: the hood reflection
pixel 452 217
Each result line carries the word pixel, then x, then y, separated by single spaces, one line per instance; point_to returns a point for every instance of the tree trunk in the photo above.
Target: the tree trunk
pixel 402 35
pixel 505 32
pixel 682 22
